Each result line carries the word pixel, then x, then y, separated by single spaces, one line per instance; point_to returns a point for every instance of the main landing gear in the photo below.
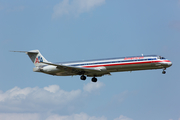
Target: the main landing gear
pixel 164 72
pixel 94 79
pixel 83 77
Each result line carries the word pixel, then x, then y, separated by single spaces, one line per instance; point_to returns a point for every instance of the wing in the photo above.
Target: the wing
pixel 79 70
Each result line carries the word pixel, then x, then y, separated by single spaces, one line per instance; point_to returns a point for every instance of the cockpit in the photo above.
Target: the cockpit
pixel 160 57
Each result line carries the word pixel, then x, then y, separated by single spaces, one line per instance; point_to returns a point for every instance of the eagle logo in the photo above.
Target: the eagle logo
pixel 39 59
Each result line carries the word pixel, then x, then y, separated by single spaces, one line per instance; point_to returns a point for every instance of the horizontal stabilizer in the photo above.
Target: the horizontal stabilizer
pixel 25 51
pixel 20 51
pixel 35 57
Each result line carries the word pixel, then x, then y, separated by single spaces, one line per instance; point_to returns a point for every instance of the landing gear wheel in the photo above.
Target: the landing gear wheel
pixel 94 79
pixel 163 72
pixel 83 77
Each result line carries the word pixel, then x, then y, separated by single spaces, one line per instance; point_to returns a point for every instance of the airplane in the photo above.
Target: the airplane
pixel 98 67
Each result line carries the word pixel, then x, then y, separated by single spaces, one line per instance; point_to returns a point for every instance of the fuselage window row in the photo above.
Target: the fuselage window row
pixel 114 62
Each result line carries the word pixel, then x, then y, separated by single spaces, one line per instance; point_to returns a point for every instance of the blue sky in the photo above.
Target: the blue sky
pixel 69 30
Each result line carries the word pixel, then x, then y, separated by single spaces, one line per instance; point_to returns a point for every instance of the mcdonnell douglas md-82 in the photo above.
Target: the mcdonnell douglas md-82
pixel 98 67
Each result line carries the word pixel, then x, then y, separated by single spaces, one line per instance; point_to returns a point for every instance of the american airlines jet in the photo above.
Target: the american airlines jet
pixel 98 67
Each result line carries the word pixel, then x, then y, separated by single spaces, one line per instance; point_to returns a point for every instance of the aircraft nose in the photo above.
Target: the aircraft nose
pixel 169 63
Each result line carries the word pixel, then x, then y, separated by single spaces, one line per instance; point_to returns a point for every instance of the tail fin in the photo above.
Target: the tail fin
pixel 35 57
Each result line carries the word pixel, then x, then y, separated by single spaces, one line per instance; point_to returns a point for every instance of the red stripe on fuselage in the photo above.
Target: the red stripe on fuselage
pixel 130 63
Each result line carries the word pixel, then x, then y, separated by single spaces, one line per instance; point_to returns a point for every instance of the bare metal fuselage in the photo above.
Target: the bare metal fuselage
pixel 97 68
pixel 107 66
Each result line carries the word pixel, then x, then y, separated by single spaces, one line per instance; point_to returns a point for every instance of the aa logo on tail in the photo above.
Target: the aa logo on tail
pixel 39 59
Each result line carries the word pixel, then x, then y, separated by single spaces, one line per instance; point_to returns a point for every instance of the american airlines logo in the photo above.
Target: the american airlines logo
pixel 39 59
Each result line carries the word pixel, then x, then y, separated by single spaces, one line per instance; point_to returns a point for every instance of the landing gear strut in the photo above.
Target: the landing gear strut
pixel 164 72
pixel 94 79
pixel 83 77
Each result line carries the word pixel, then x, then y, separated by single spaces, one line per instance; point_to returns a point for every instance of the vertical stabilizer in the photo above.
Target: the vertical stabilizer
pixel 36 57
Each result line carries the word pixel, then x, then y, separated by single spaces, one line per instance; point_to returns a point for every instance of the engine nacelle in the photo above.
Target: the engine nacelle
pixel 49 68
pixel 36 69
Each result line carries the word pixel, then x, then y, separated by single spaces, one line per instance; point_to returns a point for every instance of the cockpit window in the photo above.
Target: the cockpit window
pixel 160 57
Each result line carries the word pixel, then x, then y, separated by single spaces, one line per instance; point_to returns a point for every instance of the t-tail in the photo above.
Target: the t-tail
pixel 35 57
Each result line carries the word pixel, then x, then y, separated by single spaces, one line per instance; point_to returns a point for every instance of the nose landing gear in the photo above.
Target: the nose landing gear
pixel 164 72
